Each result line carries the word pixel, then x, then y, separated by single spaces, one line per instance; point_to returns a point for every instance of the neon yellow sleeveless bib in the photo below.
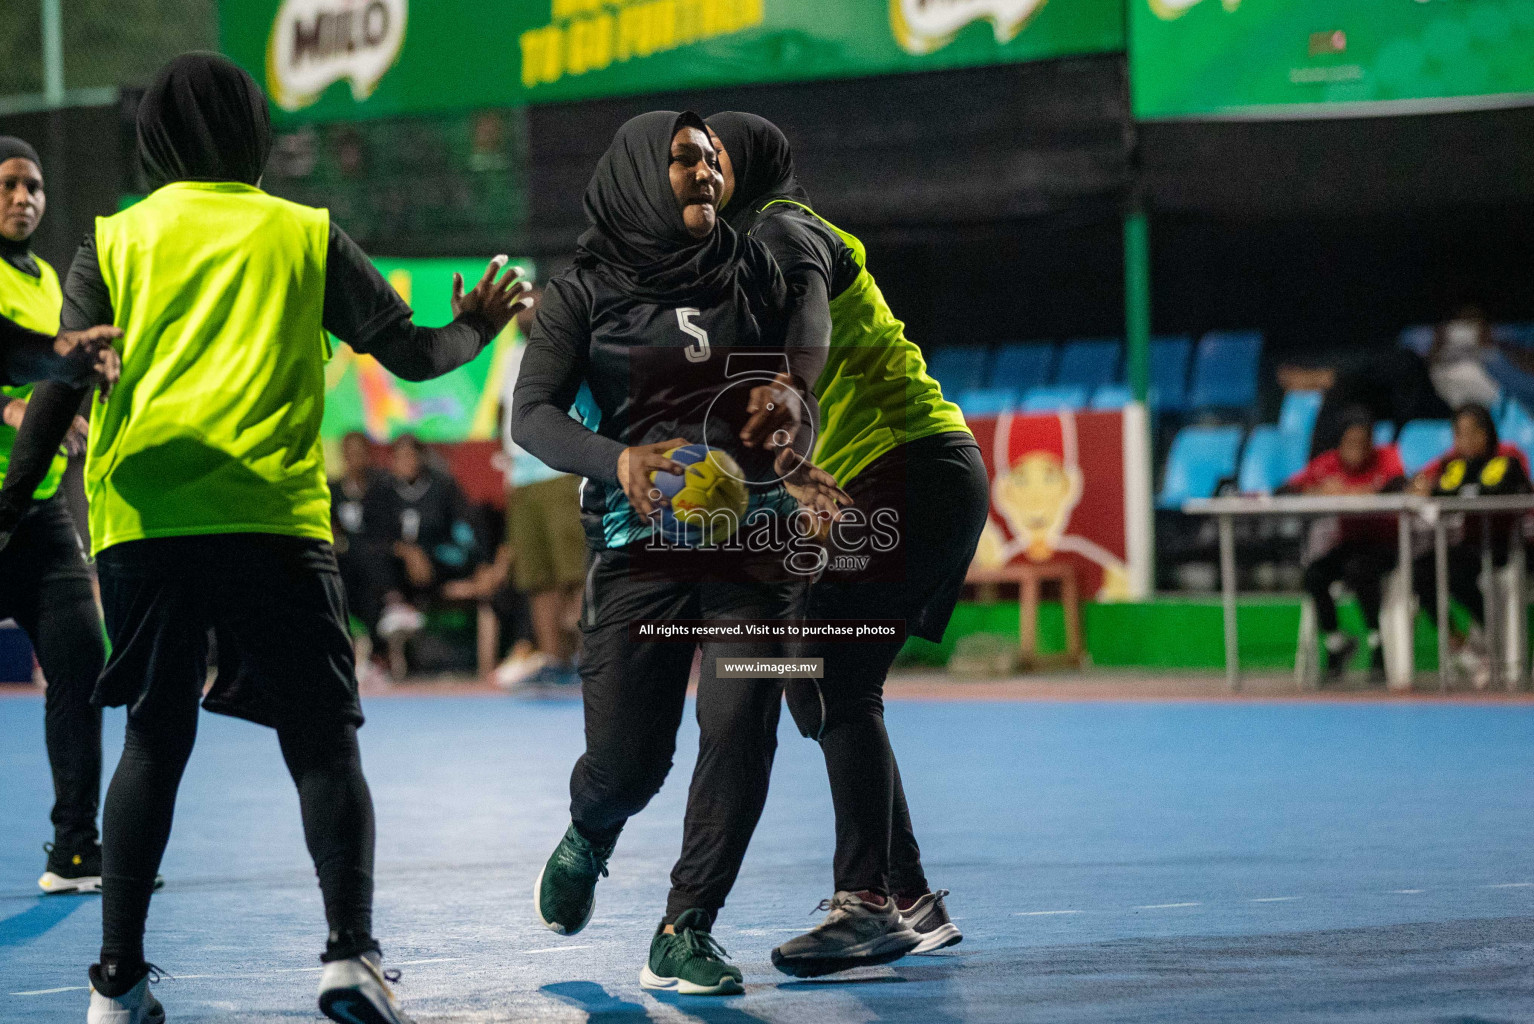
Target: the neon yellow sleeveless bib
pixel 875 393
pixel 215 427
pixel 34 303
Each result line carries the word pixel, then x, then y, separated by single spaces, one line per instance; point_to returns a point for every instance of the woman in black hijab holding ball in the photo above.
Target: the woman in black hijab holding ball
pixel 665 302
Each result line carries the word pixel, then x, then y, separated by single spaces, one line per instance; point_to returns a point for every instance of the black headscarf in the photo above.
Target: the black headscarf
pixel 18 254
pixel 762 162
pixel 203 119
pixel 1483 417
pixel 638 240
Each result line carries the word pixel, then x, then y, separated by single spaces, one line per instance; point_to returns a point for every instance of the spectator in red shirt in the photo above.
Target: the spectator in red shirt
pixel 1365 549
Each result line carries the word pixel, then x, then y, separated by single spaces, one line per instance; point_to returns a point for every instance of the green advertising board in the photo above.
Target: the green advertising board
pixel 461 406
pixel 348 59
pixel 1317 58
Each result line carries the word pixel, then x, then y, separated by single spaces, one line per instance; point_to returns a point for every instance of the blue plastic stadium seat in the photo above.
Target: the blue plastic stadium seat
pixel 1422 441
pixel 959 369
pixel 1519 335
pixel 1169 358
pixel 1384 433
pixel 1090 362
pixel 1297 417
pixel 1054 399
pixel 1200 458
pixel 1516 425
pixel 1417 338
pixel 1264 461
pixel 1023 365
pixel 1112 396
pixel 1225 370
pixel 987 401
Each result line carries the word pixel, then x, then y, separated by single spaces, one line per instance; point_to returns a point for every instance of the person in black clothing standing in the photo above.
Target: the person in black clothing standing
pixel 663 299
pixel 44 582
pixel 209 506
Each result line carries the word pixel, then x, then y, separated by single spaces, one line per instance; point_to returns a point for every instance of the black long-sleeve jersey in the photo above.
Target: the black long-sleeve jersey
pixel 655 372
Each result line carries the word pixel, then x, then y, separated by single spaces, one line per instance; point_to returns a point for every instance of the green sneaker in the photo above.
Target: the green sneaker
pixel 690 962
pixel 566 891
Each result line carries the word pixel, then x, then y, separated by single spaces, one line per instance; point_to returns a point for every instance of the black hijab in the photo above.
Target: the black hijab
pixel 18 254
pixel 203 119
pixel 762 161
pixel 638 240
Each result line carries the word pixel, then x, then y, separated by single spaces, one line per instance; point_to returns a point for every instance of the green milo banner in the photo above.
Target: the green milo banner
pixel 461 406
pixel 345 59
pixel 1328 57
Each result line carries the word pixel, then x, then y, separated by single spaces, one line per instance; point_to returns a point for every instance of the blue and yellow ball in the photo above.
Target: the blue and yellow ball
pixel 708 500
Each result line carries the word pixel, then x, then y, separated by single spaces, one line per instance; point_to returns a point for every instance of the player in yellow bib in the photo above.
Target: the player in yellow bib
pixel 209 506
pixel 920 494
pixel 44 582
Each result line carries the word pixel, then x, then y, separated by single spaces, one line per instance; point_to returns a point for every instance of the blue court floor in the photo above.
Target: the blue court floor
pixel 1178 862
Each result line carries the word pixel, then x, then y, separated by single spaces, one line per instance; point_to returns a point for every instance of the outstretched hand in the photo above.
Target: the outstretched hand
pixel 811 486
pixel 91 357
pixel 495 300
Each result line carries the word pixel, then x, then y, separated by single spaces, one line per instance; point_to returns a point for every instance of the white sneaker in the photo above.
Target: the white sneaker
pixel 928 917
pixel 356 991
pixel 512 673
pixel 400 620
pixel 136 1006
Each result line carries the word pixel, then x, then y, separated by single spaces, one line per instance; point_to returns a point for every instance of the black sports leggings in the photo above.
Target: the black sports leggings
pixel 333 798
pixel 46 587
pixel 939 488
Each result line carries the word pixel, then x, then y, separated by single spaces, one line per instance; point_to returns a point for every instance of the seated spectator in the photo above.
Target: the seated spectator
pixel 1462 346
pixel 1365 547
pixel 1478 464
pixel 365 516
pixel 434 540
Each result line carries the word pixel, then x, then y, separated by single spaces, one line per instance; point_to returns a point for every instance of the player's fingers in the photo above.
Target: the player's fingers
pixel 756 427
pixel 513 280
pixel 488 277
pixel 457 288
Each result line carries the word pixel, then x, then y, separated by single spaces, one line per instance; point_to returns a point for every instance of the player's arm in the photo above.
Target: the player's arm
pixel 363 310
pixel 54 405
pixel 805 264
pixel 553 367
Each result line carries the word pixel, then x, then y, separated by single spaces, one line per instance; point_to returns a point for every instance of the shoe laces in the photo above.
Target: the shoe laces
pixel 596 858
pixel 700 944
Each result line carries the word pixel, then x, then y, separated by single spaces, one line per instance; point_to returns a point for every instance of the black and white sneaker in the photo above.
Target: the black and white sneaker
pixel 135 1006
pixel 856 933
pixel 928 917
pixel 71 869
pixel 76 870
pixel 356 991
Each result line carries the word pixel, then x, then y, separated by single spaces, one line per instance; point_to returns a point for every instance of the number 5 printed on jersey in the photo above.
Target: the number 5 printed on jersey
pixel 698 351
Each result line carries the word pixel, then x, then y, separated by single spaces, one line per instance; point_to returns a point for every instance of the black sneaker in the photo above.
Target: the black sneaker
pixel 928 917
pixel 75 870
pixel 71 869
pixel 856 933
pixel 566 891
pixel 1337 661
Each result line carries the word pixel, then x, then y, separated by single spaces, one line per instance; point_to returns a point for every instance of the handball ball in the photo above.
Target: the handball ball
pixel 707 500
